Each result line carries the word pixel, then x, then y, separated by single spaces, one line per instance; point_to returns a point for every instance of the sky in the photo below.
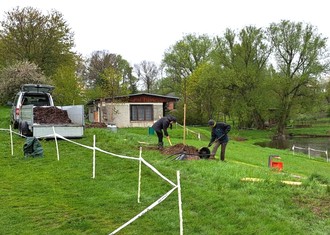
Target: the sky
pixel 141 30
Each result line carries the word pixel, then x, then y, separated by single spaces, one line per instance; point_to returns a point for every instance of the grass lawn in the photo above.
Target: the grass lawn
pixel 50 196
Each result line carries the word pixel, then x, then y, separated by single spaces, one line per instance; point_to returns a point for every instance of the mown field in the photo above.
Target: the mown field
pixel 59 196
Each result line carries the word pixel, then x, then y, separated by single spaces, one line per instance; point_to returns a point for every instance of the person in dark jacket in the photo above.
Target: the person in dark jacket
pixel 218 137
pixel 161 128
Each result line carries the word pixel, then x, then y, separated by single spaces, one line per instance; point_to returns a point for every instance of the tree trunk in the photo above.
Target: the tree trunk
pixel 283 116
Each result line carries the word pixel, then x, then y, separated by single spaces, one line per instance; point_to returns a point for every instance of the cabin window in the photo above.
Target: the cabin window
pixel 141 113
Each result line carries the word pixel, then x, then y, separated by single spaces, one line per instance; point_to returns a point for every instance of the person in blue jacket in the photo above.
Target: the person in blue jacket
pixel 218 137
pixel 161 127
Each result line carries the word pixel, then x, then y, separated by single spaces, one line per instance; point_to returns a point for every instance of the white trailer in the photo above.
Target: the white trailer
pixel 28 127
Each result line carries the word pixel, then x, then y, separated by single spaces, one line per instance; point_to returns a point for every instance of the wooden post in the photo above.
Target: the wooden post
pixel 184 123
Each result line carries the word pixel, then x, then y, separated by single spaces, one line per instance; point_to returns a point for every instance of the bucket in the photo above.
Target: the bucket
pixel 204 152
pixel 112 127
pixel 151 131
pixel 278 165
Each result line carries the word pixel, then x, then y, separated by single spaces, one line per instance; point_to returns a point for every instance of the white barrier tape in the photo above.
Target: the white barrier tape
pixel 82 145
pixel 54 135
pixel 162 198
pixel 295 147
pixel 14 132
pixel 310 149
pixel 157 172
pixel 198 134
pixel 315 150
pixel 187 129
pixel 92 148
pixel 116 155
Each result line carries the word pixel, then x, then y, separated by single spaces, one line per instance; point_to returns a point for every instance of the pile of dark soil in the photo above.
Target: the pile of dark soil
pixel 50 115
pixel 179 148
pixel 190 151
pixel 96 125
pixel 238 138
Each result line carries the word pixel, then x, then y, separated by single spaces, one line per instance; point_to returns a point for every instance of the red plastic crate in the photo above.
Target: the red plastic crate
pixel 278 165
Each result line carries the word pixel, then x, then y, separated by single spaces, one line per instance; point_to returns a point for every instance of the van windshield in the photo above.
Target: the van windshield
pixel 35 99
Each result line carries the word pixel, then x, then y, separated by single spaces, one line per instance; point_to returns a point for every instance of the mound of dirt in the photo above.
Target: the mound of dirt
pixel 50 115
pixel 179 148
pixel 190 151
pixel 238 138
pixel 96 125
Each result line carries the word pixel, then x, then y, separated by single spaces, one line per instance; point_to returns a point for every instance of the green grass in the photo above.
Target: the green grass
pixel 47 196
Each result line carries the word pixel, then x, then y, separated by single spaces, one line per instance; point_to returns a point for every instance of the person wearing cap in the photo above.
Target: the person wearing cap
pixel 161 127
pixel 219 131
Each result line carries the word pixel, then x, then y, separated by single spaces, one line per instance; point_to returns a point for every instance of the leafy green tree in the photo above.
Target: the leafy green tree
pixel 2 57
pixel 163 86
pixel 112 83
pixel 203 97
pixel 12 77
pixel 45 40
pixel 129 80
pixel 327 96
pixel 300 59
pixel 68 88
pixel 181 59
pixel 241 60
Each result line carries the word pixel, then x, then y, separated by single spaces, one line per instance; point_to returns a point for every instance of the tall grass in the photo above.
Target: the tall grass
pixel 47 196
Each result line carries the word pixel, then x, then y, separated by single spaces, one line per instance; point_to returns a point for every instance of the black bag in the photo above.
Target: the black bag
pixel 33 148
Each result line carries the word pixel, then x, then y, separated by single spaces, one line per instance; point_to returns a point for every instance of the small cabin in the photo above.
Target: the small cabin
pixel 135 110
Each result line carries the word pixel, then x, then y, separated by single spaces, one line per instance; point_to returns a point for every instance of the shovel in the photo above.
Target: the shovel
pixel 169 140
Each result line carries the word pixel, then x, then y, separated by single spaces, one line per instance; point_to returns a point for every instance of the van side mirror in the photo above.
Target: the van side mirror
pixel 9 103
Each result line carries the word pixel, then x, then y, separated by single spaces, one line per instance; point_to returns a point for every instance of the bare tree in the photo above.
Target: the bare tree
pixel 147 73
pixel 102 60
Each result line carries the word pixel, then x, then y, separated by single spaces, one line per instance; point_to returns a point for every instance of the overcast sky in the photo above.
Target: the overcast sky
pixel 143 29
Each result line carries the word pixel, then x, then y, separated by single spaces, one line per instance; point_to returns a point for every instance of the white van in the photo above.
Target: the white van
pixel 31 94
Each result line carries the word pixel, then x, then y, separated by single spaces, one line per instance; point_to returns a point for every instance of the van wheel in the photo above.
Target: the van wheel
pixel 15 124
pixel 19 128
pixel 24 129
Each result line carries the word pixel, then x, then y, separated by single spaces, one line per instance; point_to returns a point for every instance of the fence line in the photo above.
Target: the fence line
pixel 162 198
pixel 140 159
pixel 309 149
pixel 188 130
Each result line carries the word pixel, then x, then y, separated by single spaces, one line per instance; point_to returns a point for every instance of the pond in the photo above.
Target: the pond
pixel 315 146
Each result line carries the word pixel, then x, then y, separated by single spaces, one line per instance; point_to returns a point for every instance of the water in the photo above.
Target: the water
pixel 317 145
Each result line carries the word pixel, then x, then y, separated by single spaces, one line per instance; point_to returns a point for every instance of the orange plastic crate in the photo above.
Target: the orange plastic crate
pixel 278 165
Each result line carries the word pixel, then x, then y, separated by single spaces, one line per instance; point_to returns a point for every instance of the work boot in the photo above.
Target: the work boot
pixel 211 157
pixel 160 145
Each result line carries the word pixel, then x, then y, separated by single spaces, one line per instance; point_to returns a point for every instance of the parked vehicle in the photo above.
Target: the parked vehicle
pixel 30 94
pixel 30 125
pixel 33 97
